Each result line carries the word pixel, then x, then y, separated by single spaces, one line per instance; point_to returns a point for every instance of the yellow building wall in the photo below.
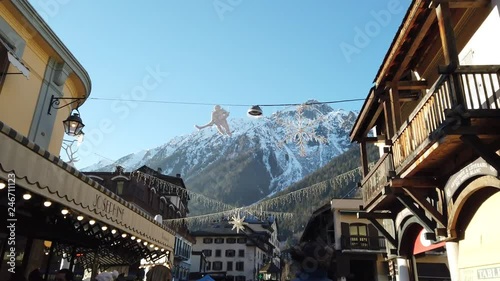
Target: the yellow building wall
pixel 19 95
pixel 479 251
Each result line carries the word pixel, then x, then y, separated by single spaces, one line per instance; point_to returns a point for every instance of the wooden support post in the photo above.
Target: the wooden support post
pixel 395 106
pixel 384 232
pixel 388 117
pixel 450 50
pixel 422 202
pixel 419 213
pixel 364 158
pixel 482 149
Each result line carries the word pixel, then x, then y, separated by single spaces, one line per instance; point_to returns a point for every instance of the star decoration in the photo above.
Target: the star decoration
pixel 238 223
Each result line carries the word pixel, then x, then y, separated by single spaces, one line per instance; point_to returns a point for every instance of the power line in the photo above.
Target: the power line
pixel 226 104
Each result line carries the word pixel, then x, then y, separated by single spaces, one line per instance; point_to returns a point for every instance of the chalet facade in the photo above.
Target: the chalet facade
pixel 344 246
pixel 435 114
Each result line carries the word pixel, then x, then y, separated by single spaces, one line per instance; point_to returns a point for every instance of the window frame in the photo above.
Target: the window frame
pixel 219 265
pixel 229 251
pixel 219 241
pixel 208 240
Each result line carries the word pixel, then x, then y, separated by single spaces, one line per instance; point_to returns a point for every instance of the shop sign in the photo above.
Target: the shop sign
pixel 476 168
pixel 109 207
pixel 490 273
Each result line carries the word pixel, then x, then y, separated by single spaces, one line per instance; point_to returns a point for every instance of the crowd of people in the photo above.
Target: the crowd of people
pixel 156 273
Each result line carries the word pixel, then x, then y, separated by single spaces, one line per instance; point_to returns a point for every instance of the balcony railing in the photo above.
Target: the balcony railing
pixel 375 181
pixel 352 242
pixel 480 87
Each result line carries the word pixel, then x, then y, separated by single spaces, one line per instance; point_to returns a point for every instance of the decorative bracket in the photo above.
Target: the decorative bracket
pixel 55 102
pixel 418 212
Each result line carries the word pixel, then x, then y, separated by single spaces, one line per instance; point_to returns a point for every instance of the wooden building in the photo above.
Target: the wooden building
pixel 435 114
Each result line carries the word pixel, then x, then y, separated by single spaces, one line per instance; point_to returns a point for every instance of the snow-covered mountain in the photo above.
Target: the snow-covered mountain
pixel 263 156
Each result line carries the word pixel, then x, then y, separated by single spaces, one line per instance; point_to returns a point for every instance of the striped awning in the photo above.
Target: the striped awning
pixel 46 175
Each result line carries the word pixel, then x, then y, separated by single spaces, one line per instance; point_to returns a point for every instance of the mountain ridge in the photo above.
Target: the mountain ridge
pixel 262 157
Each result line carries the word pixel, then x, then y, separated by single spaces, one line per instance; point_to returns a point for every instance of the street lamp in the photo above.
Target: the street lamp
pixel 73 125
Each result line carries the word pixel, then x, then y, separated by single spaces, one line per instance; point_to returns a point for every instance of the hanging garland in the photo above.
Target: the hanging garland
pixel 301 195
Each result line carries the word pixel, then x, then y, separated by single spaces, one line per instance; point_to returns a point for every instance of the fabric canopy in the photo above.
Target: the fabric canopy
pixel 42 173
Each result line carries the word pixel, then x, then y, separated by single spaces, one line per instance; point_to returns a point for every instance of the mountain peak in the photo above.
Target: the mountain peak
pixel 261 157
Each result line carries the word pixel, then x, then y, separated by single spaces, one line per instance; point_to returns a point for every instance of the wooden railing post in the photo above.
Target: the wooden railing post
pixel 450 50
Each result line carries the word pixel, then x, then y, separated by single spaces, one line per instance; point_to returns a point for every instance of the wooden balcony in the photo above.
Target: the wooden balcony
pixel 374 184
pixel 354 242
pixel 432 131
pixel 430 144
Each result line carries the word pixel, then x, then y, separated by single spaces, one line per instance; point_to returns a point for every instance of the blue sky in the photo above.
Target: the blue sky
pixel 216 52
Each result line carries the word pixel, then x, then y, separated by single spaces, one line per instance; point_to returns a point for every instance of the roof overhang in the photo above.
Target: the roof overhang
pixel 46 175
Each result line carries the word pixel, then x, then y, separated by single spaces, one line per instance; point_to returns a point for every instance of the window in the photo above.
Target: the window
pixel 242 240
pixel 162 206
pixel 229 266
pixel 4 63
pixel 207 240
pixel 217 265
pixel 208 265
pixel 239 278
pixel 359 235
pixel 240 266
pixel 230 253
pixel 207 253
pixel 217 253
pixel 231 240
pixel 219 240
pixel 151 196
pixel 119 188
pixel 241 253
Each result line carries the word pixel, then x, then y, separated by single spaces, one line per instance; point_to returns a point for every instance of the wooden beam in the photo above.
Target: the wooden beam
pixel 422 202
pixel 372 215
pixel 364 158
pixel 462 4
pixel 447 34
pixel 415 45
pixel 450 50
pixel 395 106
pixel 482 149
pixel 414 182
pixel 388 118
pixel 474 130
pixel 419 213
pixel 412 85
pixel 384 232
